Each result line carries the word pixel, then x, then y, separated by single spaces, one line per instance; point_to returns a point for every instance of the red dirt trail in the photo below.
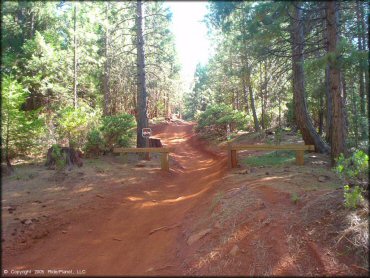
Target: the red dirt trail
pixel 117 241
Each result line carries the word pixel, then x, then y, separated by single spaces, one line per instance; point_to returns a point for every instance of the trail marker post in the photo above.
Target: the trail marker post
pixel 146 133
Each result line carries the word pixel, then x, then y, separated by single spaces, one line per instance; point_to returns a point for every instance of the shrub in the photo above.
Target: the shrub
pixel 216 118
pixel 94 143
pixel 75 123
pixel 353 197
pixel 20 129
pixel 117 130
pixel 354 167
pixel 59 157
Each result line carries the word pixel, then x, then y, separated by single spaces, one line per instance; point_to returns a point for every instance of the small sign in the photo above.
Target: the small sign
pixel 228 132
pixel 146 132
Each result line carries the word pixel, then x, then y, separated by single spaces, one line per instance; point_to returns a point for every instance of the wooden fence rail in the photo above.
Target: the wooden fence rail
pixel 299 149
pixel 165 166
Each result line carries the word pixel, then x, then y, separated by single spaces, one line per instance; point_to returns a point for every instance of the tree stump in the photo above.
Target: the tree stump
pixel 155 143
pixel 72 157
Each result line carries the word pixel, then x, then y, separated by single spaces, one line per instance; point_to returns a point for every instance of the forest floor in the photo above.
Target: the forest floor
pixel 118 215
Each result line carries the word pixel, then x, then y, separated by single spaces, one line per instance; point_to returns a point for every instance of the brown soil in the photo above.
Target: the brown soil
pixel 118 216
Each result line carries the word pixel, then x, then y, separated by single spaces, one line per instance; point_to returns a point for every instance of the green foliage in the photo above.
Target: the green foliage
pixel 217 117
pixel 117 130
pixel 289 114
pixel 278 136
pixel 94 142
pixel 59 157
pixel 74 124
pixel 271 159
pixel 356 166
pixel 352 197
pixel 294 197
pixel 20 129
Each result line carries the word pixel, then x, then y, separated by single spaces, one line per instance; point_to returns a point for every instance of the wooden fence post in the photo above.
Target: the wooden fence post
pixel 234 159
pixel 229 165
pixel 164 162
pixel 299 157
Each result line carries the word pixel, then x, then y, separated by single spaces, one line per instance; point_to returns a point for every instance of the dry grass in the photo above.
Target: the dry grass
pixel 357 232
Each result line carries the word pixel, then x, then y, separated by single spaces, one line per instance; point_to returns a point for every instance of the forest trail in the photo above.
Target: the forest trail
pixel 124 239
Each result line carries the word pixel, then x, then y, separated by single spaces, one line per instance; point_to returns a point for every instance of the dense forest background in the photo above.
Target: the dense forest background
pixel 70 70
pixel 80 73
pixel 298 64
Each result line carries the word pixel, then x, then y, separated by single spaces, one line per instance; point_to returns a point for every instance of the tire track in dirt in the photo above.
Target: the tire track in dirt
pixel 117 240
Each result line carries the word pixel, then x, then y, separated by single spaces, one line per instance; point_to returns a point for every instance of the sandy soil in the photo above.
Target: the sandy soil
pixel 120 216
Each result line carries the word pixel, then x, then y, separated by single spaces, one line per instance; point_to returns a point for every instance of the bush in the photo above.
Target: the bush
pixel 353 197
pixel 117 130
pixel 216 118
pixel 20 129
pixel 59 157
pixel 94 143
pixel 354 167
pixel 75 123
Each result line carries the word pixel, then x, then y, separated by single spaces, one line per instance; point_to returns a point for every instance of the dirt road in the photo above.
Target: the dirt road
pixel 118 240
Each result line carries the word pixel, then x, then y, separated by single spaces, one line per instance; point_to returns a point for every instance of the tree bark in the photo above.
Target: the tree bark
pixel 303 119
pixel 321 112
pixel 365 34
pixel 253 107
pixel 75 55
pixel 360 69
pixel 329 106
pixel 245 94
pixel 142 96
pixel 338 132
pixel 106 75
pixel 262 100
pixel 8 164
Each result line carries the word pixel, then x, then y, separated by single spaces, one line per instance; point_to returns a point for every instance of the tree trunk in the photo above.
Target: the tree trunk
pixel 304 121
pixel 365 34
pixel 142 97
pixel 321 112
pixel 253 107
pixel 75 56
pixel 360 69
pixel 329 106
pixel 279 117
pixel 245 94
pixel 262 100
pixel 8 164
pixel 106 89
pixel 355 117
pixel 338 134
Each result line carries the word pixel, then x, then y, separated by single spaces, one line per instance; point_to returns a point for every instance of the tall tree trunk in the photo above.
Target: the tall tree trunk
pixel 233 102
pixel 245 94
pixel 321 112
pixel 106 75
pixel 265 93
pixel 75 55
pixel 365 34
pixel 262 100
pixel 360 66
pixel 303 119
pixel 338 132
pixel 355 116
pixel 329 106
pixel 253 107
pixel 7 159
pixel 279 117
pixel 142 96
pixel 328 98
